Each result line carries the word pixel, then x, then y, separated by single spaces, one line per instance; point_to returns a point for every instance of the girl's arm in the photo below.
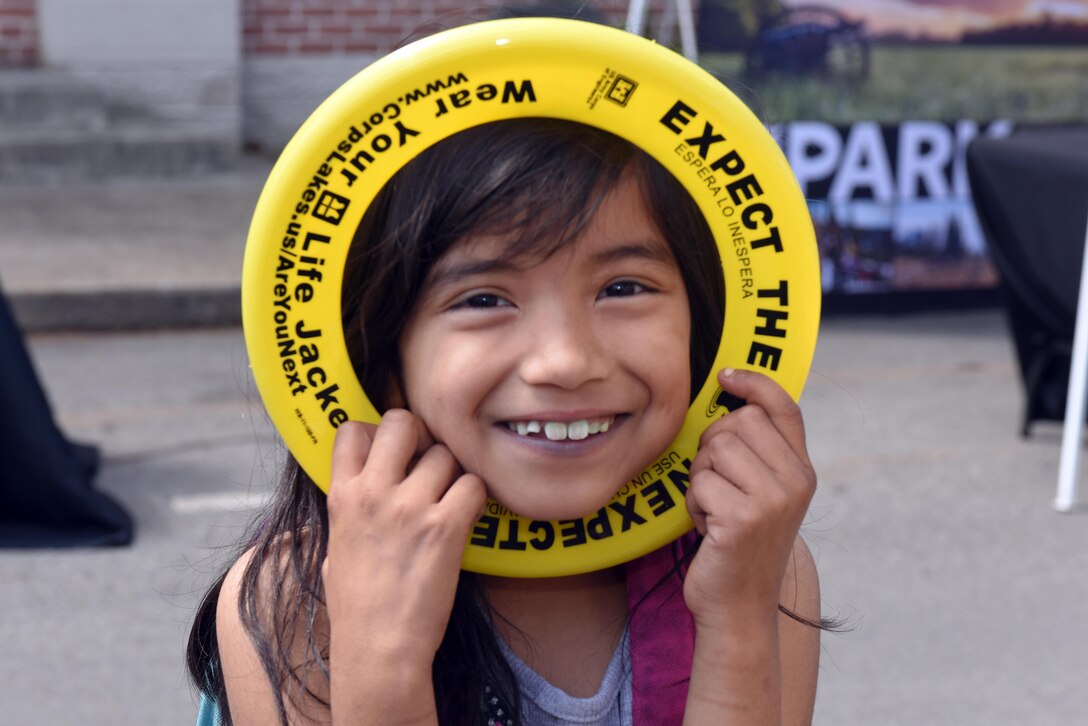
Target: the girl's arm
pixel 751 483
pixel 799 643
pixel 399 515
pixel 770 661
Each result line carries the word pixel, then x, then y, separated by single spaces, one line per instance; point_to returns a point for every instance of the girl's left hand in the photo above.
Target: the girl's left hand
pixel 750 486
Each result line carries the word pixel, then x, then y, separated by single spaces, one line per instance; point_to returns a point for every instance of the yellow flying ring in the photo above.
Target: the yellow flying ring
pixel 375 123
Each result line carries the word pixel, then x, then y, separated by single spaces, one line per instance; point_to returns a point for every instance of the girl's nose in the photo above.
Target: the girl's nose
pixel 563 348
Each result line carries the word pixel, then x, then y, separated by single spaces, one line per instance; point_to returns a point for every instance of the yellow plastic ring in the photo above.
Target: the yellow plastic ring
pixel 374 124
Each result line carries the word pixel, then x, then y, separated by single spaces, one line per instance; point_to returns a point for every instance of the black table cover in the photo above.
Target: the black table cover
pixel 46 494
pixel 1031 194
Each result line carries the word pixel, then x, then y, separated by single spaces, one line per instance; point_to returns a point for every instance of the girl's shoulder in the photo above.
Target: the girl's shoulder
pixel 268 625
pixel 278 568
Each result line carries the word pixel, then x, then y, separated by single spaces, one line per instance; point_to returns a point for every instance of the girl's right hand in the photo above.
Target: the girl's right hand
pixel 400 510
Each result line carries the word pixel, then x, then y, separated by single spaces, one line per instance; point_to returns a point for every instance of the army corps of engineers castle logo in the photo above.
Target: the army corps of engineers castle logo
pixel 621 90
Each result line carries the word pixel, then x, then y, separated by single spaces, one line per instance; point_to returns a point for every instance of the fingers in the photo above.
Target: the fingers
pixel 350 448
pixel 731 456
pixel 394 444
pixel 765 393
pixel 753 427
pixel 401 437
pixel 465 500
pixel 756 451
pixel 710 492
pixel 387 452
pixel 433 474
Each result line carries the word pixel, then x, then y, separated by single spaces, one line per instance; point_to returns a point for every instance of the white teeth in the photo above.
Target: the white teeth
pixel 559 430
pixel 578 430
pixel 555 430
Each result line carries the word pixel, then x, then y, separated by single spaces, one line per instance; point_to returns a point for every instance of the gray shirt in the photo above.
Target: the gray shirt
pixel 543 704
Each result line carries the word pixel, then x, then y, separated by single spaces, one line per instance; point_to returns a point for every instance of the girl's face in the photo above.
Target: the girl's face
pixel 556 381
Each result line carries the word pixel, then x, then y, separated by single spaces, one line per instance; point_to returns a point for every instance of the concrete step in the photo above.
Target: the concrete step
pixel 50 100
pixel 55 127
pixel 128 253
pixel 132 309
pixel 115 152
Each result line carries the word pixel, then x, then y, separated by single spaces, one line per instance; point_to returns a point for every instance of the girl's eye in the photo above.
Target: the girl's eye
pixel 623 288
pixel 482 300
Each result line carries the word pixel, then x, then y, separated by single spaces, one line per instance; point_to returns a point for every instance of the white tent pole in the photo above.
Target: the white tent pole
pixel 687 30
pixel 1073 431
pixel 636 16
pixel 636 23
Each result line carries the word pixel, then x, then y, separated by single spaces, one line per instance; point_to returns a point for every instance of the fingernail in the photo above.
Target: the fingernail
pixel 728 372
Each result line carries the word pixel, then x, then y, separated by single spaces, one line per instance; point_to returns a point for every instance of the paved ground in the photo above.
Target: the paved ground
pixel 933 529
pixel 935 533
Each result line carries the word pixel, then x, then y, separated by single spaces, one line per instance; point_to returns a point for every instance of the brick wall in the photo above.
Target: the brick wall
pixel 317 27
pixel 18 33
pixel 297 52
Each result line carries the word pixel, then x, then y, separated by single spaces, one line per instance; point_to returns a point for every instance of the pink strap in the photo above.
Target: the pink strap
pixel 662 636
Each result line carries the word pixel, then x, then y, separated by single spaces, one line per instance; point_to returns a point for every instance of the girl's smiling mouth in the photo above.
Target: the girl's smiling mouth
pixel 576 430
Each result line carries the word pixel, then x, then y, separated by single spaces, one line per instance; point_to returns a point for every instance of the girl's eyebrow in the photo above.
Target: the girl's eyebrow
pixel 651 249
pixel 450 273
pixel 453 272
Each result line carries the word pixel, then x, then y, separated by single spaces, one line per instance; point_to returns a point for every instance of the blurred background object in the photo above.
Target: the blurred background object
pixel 812 39
pixel 47 497
pixel 1031 193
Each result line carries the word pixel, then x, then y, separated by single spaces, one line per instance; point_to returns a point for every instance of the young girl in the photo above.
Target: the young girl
pixel 533 304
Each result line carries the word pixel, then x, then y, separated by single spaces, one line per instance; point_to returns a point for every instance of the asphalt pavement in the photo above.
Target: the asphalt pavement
pixel 961 590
